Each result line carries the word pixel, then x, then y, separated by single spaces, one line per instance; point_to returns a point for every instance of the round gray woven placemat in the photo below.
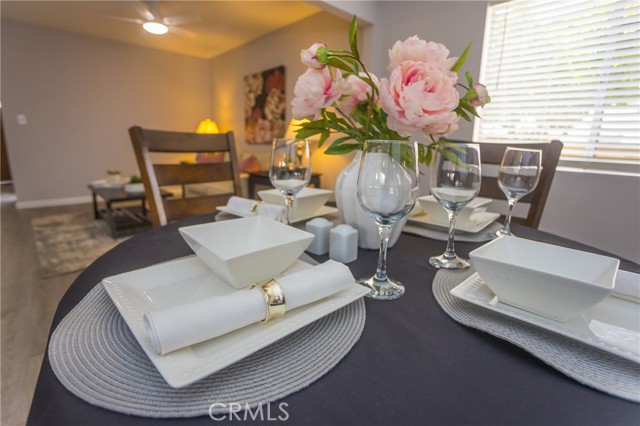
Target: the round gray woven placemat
pixel 97 358
pixel 586 364
pixel 443 234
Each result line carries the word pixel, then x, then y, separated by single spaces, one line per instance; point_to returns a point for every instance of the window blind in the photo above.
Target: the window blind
pixel 567 70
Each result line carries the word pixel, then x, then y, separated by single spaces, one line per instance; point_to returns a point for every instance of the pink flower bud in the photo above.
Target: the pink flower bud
pixel 309 56
pixel 481 97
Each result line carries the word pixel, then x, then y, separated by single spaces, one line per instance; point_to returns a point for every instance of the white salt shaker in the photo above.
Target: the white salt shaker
pixel 343 244
pixel 320 227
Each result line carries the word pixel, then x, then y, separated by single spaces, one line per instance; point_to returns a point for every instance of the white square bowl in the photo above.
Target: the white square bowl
pixel 247 250
pixel 555 282
pixel 306 203
pixel 435 211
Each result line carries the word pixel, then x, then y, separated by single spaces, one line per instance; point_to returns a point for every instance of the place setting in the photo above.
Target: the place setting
pixel 193 325
pixel 291 201
pixel 514 288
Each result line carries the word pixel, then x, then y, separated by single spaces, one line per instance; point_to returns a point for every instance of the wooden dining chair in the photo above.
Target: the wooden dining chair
pixel 157 172
pixel 491 154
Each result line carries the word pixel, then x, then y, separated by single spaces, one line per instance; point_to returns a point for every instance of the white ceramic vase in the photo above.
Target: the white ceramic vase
pixel 352 214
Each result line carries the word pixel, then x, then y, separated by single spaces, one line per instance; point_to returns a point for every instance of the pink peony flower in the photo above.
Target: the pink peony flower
pixel 356 91
pixel 416 49
pixel 309 56
pixel 482 96
pixel 419 97
pixel 315 90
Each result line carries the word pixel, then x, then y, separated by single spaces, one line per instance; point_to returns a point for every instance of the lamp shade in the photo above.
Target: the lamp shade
pixel 207 126
pixel 294 126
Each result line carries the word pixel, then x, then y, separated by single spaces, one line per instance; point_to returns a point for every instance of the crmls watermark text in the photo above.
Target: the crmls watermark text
pixel 220 410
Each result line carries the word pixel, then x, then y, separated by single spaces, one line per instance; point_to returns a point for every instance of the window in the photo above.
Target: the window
pixel 567 70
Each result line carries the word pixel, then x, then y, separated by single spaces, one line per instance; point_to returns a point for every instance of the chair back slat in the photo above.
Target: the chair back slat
pixel 161 141
pixel 182 208
pixel 182 174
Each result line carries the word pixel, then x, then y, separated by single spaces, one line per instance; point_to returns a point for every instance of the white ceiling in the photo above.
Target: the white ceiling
pixel 221 25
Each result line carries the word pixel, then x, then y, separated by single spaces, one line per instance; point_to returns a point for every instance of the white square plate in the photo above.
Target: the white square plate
pixel 188 279
pixel 612 325
pixel 322 211
pixel 478 222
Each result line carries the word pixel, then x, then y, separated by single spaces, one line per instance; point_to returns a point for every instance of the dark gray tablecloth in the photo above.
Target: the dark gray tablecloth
pixel 413 364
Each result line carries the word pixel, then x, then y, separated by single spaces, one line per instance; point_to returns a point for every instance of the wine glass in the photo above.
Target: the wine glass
pixel 455 181
pixel 387 191
pixel 290 169
pixel 518 175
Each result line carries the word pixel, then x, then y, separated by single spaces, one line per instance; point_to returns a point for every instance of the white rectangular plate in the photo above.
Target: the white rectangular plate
pixel 478 222
pixel 186 280
pixel 322 211
pixel 612 325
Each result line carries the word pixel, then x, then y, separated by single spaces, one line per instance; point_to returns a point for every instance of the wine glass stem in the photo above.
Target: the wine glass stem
pixel 450 252
pixel 381 270
pixel 289 209
pixel 506 229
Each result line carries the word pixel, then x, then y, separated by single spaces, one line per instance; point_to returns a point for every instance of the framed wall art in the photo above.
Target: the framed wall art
pixel 264 106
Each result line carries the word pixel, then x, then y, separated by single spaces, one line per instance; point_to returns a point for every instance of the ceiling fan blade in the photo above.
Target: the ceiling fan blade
pixel 144 10
pixel 182 32
pixel 182 19
pixel 122 18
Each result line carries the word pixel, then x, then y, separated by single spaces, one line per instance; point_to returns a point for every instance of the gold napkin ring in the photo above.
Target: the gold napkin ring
pixel 274 298
pixel 255 205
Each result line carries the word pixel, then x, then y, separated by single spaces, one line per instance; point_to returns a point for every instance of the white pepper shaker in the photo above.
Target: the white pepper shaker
pixel 320 227
pixel 343 244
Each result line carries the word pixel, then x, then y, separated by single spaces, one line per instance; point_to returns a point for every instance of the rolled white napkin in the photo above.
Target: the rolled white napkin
pixel 245 205
pixel 184 325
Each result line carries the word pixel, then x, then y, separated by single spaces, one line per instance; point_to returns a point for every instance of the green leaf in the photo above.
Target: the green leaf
pixel 469 108
pixel 337 63
pixel 460 111
pixel 469 78
pixel 342 149
pixel 461 60
pixel 323 138
pixel 307 133
pixel 353 37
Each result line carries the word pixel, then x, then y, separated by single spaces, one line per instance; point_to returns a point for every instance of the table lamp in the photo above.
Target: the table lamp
pixel 207 126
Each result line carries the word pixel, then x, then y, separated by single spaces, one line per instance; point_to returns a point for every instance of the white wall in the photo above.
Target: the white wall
pixel 80 95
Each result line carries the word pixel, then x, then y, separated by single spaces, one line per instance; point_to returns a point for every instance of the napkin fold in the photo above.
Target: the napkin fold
pixel 245 206
pixel 184 325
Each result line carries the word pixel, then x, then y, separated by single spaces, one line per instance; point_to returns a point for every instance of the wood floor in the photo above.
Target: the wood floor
pixel 28 303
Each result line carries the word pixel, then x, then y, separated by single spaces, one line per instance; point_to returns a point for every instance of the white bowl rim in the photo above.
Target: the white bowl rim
pixel 226 257
pixel 479 253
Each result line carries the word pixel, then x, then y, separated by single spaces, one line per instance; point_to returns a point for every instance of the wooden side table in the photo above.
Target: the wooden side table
pixel 262 178
pixel 122 220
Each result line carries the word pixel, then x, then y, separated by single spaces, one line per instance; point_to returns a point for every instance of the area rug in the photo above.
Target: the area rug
pixel 69 242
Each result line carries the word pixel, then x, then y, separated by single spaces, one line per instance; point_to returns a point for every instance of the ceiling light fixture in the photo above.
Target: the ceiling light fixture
pixel 155 28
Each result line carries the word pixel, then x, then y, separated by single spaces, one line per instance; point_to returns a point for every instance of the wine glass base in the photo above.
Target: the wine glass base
pixel 442 262
pixel 499 233
pixel 382 290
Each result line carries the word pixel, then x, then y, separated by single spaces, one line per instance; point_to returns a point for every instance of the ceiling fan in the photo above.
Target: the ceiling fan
pixel 154 22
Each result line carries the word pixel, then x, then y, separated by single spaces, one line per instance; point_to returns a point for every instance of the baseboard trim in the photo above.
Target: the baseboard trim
pixel 53 202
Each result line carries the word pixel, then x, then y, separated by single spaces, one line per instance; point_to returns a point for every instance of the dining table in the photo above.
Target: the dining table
pixel 412 365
